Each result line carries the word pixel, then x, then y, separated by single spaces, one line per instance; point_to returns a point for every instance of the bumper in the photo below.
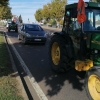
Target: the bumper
pixel 36 40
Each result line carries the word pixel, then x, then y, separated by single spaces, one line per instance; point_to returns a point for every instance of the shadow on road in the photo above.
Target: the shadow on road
pixel 37 60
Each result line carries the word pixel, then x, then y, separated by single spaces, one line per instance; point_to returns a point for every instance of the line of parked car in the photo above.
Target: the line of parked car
pixel 29 33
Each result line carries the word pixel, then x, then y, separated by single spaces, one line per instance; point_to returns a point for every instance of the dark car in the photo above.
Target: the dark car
pixel 31 33
pixel 12 26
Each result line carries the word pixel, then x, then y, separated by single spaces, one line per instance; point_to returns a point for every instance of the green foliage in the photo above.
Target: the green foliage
pixel 61 22
pixel 58 8
pixel 46 12
pixel 38 15
pixel 8 84
pixel 20 19
pixel 45 22
pixel 4 2
pixel 52 22
pixel 5 12
pixel 53 10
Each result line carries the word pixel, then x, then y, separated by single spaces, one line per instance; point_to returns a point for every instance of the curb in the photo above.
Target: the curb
pixel 21 87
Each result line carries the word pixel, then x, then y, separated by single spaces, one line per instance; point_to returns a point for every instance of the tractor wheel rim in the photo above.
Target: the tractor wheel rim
pixel 94 87
pixel 55 53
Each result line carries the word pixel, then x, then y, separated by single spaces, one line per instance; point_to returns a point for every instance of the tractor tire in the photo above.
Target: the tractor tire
pixel 58 55
pixel 92 83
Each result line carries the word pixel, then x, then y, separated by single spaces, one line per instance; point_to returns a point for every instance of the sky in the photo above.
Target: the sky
pixel 27 8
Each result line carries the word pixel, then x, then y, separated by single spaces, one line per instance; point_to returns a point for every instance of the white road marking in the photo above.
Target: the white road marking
pixel 32 80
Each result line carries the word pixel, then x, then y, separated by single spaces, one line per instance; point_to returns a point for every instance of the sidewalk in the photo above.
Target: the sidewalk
pixel 52 28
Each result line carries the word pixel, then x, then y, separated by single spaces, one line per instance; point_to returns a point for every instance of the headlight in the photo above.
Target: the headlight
pixel 45 35
pixel 28 35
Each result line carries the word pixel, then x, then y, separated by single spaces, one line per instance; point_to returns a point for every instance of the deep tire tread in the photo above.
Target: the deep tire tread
pixel 63 65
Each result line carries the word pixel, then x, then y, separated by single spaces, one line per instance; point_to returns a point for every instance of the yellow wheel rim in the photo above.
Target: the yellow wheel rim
pixel 94 87
pixel 55 53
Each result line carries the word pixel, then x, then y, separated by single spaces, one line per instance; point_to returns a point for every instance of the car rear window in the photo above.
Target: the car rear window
pixel 33 28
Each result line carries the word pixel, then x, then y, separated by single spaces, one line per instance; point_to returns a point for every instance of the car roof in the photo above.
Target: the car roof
pixel 29 24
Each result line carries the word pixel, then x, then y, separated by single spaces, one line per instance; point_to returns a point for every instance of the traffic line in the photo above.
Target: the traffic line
pixel 32 80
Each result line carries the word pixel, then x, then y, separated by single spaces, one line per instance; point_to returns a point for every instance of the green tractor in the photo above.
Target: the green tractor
pixel 78 45
pixel 13 26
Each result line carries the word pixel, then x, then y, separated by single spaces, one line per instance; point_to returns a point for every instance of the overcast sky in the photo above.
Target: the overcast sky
pixel 27 8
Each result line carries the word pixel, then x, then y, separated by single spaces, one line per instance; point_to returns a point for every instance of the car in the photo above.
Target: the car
pixel 31 33
pixel 13 26
pixel 7 25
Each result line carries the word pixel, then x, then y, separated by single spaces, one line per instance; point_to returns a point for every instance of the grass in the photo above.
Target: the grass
pixel 8 83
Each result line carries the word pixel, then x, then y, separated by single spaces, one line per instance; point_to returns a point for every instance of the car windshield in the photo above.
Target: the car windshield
pixel 92 22
pixel 33 28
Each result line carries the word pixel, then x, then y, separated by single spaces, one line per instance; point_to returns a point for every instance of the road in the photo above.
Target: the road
pixel 44 84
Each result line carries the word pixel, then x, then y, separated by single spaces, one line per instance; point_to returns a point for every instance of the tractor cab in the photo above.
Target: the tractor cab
pixel 92 22
pixel 86 36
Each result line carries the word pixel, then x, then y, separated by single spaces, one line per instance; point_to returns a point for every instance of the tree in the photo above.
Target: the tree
pixel 4 2
pixel 5 12
pixel 58 8
pixel 20 19
pixel 38 15
pixel 47 12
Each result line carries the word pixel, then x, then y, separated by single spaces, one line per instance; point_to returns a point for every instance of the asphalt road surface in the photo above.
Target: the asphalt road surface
pixel 51 86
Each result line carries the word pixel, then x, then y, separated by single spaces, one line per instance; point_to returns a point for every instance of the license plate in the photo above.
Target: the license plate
pixel 37 39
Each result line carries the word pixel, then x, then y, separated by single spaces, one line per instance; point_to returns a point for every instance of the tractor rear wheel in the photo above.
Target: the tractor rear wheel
pixel 58 55
pixel 92 83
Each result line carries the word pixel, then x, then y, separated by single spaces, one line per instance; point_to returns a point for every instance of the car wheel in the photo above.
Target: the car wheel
pixel 19 37
pixel 24 40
